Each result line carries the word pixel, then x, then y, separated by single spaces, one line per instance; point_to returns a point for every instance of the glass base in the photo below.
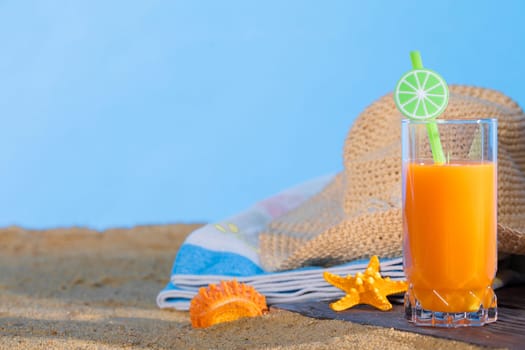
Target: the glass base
pixel 416 314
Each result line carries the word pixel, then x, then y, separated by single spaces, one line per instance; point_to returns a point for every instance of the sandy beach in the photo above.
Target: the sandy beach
pixel 76 288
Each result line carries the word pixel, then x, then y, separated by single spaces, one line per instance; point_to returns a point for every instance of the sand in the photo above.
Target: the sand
pixel 81 289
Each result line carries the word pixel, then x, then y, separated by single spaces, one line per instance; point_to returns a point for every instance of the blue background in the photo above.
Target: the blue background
pixel 117 113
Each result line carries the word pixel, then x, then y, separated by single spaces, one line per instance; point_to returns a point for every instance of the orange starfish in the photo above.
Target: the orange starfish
pixel 365 288
pixel 228 301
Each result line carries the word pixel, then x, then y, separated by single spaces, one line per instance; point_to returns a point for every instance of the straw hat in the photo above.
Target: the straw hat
pixel 359 213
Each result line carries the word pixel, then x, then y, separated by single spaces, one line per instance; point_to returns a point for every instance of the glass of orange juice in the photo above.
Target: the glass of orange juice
pixel 450 223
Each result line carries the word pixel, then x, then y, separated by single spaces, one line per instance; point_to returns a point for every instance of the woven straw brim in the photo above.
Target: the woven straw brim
pixel 359 214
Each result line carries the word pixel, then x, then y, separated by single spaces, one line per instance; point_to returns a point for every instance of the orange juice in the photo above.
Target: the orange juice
pixel 450 234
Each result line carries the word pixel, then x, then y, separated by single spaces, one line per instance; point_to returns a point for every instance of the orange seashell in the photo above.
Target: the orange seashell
pixel 228 301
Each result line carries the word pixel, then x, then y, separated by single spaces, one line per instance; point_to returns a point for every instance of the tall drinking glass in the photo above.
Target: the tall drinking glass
pixel 450 223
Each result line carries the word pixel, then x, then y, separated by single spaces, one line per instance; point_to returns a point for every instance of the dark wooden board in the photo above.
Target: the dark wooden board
pixel 508 331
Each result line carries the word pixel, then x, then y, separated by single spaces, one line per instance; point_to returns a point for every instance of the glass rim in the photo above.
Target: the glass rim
pixel 408 121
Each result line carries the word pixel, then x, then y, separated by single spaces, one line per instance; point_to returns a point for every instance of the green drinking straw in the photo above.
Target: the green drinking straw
pixel 422 94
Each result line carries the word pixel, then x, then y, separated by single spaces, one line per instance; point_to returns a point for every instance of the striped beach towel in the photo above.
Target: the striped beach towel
pixel 229 250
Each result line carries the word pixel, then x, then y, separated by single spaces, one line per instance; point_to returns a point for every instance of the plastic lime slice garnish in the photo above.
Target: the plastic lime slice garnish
pixel 421 94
